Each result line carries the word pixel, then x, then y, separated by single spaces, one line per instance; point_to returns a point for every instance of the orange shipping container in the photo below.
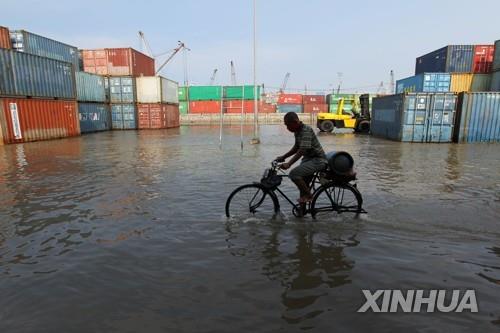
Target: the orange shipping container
pixel 5 38
pixel 117 62
pixel 172 111
pixel 151 116
pixel 24 120
pixel 204 107
pixel 267 108
pixel 236 105
pixel 315 108
pixel 290 99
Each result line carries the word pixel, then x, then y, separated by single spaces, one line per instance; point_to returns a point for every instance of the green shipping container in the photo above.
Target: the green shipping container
pixel 183 107
pixel 183 93
pixel 237 92
pixel 205 93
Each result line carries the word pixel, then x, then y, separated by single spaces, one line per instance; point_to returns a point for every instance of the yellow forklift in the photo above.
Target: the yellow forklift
pixel 357 120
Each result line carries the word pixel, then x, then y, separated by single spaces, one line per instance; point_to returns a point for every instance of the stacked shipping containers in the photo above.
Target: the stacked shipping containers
pixel 37 89
pixel 290 103
pixel 93 103
pixel 314 104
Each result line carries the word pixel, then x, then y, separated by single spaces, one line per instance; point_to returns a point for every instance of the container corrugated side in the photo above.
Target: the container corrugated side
pixel 241 92
pixel 313 99
pixel 172 112
pixel 156 89
pixel 118 62
pixel 290 99
pixel 285 108
pixel 236 106
pixel 122 89
pixel 478 118
pixel 5 38
pixel 151 116
pixel 25 41
pixel 424 82
pixel 480 82
pixel 23 74
pixel 204 107
pixel 414 117
pixel 495 81
pixel 433 62
pixel 461 82
pixel 451 58
pixel 123 116
pixel 170 91
pixel 28 119
pixel 205 93
pixel 90 87
pixel 496 57
pixel 316 108
pixel 94 117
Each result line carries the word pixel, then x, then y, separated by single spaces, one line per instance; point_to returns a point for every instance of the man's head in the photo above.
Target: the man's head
pixel 292 121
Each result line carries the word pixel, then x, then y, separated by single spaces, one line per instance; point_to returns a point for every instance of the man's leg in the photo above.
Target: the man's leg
pixel 301 173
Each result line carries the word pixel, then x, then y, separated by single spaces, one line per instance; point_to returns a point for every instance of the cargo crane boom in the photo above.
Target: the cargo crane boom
pixel 212 79
pixel 285 81
pixel 145 43
pixel 180 47
pixel 233 74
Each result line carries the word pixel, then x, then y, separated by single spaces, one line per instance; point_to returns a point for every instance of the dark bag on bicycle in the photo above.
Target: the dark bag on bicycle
pixel 271 179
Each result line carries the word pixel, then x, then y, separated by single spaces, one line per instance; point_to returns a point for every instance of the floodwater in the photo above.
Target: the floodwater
pixel 125 232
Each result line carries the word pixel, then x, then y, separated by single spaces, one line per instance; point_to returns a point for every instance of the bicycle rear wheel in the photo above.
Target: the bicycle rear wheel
pixel 252 201
pixel 336 198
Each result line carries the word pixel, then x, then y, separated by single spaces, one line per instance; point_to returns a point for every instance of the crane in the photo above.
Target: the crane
pixel 145 44
pixel 212 79
pixel 285 81
pixel 179 47
pixel 233 74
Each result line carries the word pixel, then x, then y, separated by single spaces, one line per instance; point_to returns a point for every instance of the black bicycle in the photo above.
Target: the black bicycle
pixel 333 193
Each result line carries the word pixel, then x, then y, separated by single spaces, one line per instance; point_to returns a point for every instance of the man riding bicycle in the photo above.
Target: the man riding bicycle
pixel 308 147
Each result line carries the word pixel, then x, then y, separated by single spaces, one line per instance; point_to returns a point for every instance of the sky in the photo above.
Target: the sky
pixel 313 40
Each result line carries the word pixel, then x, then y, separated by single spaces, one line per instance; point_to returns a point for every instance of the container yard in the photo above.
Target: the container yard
pixel 149 182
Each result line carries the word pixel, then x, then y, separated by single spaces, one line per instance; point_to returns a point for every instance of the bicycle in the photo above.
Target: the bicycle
pixel 331 192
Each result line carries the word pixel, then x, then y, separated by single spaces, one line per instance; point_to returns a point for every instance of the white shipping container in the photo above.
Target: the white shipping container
pixel 156 89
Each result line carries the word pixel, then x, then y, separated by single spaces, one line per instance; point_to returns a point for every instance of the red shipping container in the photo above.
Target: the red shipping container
pixel 118 62
pixel 235 106
pixel 25 120
pixel 204 107
pixel 315 108
pixel 151 116
pixel 290 99
pixel 172 112
pixel 5 38
pixel 313 99
pixel 267 108
pixel 483 59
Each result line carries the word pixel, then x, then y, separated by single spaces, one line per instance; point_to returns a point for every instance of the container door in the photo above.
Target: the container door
pixel 415 117
pixel 129 117
pixel 441 118
pixel 116 115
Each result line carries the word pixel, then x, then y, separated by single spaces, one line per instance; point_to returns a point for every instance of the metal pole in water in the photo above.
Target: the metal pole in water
pixel 221 116
pixel 242 115
pixel 255 139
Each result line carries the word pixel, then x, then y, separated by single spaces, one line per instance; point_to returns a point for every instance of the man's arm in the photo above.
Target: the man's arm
pixel 292 151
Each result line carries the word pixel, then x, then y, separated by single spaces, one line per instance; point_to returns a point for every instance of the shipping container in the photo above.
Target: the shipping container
pixel 235 106
pixel 313 99
pixel 204 107
pixel 316 108
pixel 5 39
pixel 285 108
pixel 183 107
pixel 460 82
pixel 156 89
pixel 414 117
pixel 151 116
pixel 334 98
pixel 183 93
pixel 496 57
pixel 480 82
pixel 495 81
pixel 27 119
pixel 122 89
pixel 449 59
pixel 424 82
pixel 483 59
pixel 123 116
pixel 241 92
pixel 267 108
pixel 94 117
pixel 23 74
pixel 205 93
pixel 290 99
pixel 90 87
pixel 173 119
pixel 28 42
pixel 351 103
pixel 478 117
pixel 118 62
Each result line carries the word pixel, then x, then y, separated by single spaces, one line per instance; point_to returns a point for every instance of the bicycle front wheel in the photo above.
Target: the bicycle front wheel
pixel 252 201
pixel 336 198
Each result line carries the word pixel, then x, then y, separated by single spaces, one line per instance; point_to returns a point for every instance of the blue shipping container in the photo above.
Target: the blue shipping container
pixel 450 59
pixel 425 82
pixel 31 43
pixel 478 117
pixel 122 89
pixel 90 87
pixel 23 74
pixel 94 117
pixel 124 116
pixel 414 117
pixel 285 108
